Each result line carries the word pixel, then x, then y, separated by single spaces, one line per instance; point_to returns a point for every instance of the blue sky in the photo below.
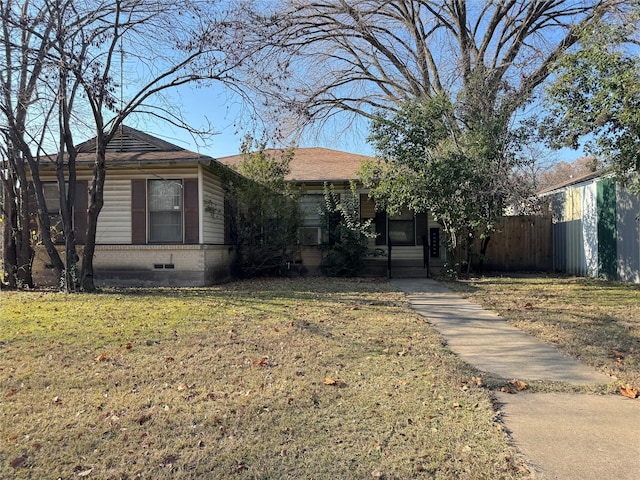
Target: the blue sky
pixel 214 105
pixel 224 112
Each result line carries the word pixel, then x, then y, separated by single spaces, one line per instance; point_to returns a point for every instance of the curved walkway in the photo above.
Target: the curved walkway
pixel 564 436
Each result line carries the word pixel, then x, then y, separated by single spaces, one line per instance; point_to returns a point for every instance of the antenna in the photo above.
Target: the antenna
pixel 121 92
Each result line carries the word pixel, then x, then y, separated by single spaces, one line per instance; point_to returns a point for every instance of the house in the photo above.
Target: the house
pixel 595 227
pixel 154 227
pixel 163 222
pixel 311 168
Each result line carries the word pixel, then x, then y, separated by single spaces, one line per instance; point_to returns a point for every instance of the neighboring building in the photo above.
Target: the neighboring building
pixel 154 228
pixel 595 228
pixel 312 167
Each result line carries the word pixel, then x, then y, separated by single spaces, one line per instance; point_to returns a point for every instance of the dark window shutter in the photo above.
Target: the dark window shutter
pixel 138 212
pixel 80 207
pixel 191 211
pixel 381 228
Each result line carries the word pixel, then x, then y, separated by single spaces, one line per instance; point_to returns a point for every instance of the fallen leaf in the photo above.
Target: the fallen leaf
pixel 183 386
pixel 518 384
pixel 11 392
pixel 102 357
pixel 263 362
pixel 628 391
pixel 478 381
pixel 336 382
pixel 514 386
pixel 128 346
pixel 376 474
pixel 85 473
pixel 528 306
pixel 18 461
pixel 145 417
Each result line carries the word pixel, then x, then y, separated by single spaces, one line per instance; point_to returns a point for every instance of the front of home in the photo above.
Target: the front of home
pixel 163 220
pixel 154 227
pixel 312 168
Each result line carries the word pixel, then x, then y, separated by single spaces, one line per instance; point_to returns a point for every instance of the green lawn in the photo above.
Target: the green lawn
pixel 305 378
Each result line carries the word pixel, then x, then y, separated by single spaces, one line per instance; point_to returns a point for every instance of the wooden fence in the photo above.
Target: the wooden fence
pixel 521 243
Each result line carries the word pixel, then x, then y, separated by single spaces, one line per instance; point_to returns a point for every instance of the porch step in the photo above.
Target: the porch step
pixel 399 269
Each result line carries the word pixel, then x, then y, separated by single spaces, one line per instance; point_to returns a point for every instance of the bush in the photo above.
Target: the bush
pixel 345 236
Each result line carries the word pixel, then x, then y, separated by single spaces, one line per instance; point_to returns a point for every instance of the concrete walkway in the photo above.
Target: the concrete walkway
pixel 564 436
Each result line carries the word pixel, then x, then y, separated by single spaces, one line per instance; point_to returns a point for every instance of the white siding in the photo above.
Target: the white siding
pixel 114 222
pixel 628 238
pixel 590 227
pixel 212 223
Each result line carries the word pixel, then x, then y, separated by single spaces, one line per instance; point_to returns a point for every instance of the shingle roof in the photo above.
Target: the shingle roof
pixel 314 164
pixel 131 146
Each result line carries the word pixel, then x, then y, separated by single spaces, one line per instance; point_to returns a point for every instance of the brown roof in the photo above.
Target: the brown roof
pixel 314 164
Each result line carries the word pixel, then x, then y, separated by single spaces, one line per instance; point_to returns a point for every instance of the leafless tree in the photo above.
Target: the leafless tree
pixel 27 34
pixel 170 43
pixel 367 56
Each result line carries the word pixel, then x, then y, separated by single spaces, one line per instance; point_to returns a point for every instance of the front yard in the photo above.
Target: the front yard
pixel 593 320
pixel 311 378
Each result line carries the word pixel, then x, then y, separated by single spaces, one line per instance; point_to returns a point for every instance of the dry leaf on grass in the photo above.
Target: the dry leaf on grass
pixel 18 461
pixel 334 382
pixel 628 391
pixel 514 386
pixel 263 362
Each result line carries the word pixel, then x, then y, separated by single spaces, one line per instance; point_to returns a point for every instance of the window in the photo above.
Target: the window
pixel 402 228
pixel 309 233
pixel 165 211
pixel 52 200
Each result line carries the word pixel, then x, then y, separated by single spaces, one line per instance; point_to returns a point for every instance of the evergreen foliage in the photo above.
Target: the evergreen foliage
pixel 345 236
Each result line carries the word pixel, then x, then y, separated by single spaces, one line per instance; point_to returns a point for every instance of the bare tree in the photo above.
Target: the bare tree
pixel 171 44
pixel 27 40
pixel 367 56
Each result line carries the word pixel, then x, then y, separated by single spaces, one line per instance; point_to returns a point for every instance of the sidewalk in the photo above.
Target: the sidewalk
pixel 564 436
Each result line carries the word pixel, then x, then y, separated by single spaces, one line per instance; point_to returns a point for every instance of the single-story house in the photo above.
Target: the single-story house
pixel 312 167
pixel 595 227
pixel 156 227
pixel 153 228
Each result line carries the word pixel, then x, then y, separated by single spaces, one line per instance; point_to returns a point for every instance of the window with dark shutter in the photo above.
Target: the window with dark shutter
pixel 165 206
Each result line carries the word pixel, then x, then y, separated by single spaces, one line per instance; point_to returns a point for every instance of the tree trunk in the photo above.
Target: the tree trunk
pixel 96 201
pixel 18 257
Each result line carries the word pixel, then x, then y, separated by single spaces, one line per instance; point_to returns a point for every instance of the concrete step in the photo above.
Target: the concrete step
pixel 399 269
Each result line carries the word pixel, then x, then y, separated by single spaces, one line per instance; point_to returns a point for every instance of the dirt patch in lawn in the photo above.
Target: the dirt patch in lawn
pixel 308 378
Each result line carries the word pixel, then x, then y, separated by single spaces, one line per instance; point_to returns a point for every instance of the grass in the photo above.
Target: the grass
pixel 309 378
pixel 595 321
